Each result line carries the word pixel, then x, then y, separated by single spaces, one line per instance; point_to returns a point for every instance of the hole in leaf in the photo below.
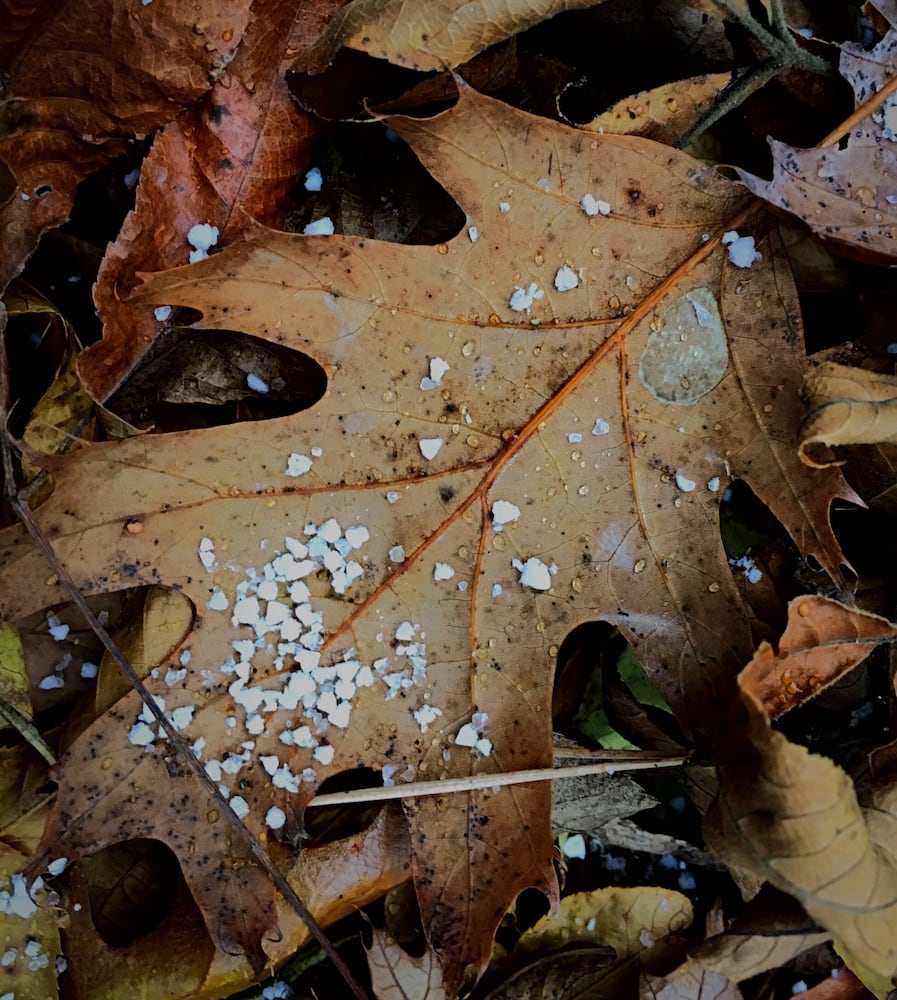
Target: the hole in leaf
pixel 337 822
pixel 603 696
pixel 205 378
pixel 131 888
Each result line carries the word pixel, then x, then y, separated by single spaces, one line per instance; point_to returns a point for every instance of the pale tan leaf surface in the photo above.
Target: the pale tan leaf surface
pixel 843 195
pixel 396 975
pixel 740 956
pixel 689 983
pixel 29 935
pixel 664 113
pixel 593 413
pixel 793 818
pixel 824 640
pixel 846 406
pixel 629 920
pixel 428 36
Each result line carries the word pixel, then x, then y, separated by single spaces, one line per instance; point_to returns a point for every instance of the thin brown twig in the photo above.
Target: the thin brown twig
pixel 181 748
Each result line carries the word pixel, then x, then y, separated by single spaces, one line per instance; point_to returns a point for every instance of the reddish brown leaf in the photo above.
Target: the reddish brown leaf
pixel 227 161
pixel 82 78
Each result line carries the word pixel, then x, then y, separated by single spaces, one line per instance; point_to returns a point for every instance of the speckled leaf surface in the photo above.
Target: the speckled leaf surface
pixel 848 197
pixel 607 375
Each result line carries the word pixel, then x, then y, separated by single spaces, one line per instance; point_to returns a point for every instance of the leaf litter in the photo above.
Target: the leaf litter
pixel 306 606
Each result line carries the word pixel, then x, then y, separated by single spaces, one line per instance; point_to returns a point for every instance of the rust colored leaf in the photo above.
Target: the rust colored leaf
pixel 846 406
pixel 67 112
pixel 792 817
pixel 582 430
pixel 228 160
pixel 846 195
pixel 427 36
pixel 665 113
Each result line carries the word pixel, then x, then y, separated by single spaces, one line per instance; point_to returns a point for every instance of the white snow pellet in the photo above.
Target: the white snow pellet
pixel 397 553
pixel 218 601
pixel 405 632
pixel 320 227
pixel 684 483
pixel 340 717
pixel 523 298
pixel 298 465
pixel 330 530
pixel 429 447
pixel 425 716
pixel 496 589
pixel 601 427
pixel 594 206
pixel 503 512
pixel 57 867
pixel 713 484
pixel 182 717
pixel 207 553
pixel 504 207
pixel 484 746
pixel 357 535
pixel 473 234
pixel 533 573
pixel 565 279
pixel 742 249
pixel 574 846
pixel 202 237
pixel 89 670
pixel 56 629
pixel 324 754
pixel 246 611
pixel 162 313
pixel 256 384
pixel 393 497
pixel 52 681
pixel 275 818
pixel 313 180
pixel 240 806
pixel 141 735
pixel 443 571
pixel 575 438
pixel 467 736
pixel 438 368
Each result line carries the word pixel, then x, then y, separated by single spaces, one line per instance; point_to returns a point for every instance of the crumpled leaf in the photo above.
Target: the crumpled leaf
pixel 62 118
pixel 629 920
pixel 594 410
pixel 427 36
pixel 846 406
pixel 846 196
pixel 396 975
pixel 792 817
pixel 689 983
pixel 226 160
pixel 663 113
pixel 570 975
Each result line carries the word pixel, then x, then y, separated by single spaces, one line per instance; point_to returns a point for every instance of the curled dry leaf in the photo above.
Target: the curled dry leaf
pixel 848 197
pixel 520 428
pixel 665 113
pixel 846 406
pixel 792 817
pixel 63 117
pixel 427 36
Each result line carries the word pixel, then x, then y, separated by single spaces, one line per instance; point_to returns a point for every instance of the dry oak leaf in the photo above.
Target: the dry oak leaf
pixel 396 975
pixel 526 428
pixel 226 160
pixel 792 817
pixel 846 196
pixel 81 78
pixel 846 405
pixel 427 36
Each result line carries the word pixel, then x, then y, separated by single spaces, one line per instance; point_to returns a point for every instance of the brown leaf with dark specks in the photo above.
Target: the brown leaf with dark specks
pixel 607 374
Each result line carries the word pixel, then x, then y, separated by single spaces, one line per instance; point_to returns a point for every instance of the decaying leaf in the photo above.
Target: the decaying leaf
pixel 585 972
pixel 62 118
pixel 396 975
pixel 792 817
pixel 664 113
pixel 846 406
pixel 846 196
pixel 520 428
pixel 427 37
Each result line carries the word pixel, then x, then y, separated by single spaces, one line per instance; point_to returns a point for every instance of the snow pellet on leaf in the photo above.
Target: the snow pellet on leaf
pixel 533 573
pixel 438 368
pixel 313 180
pixel 256 384
pixel 298 465
pixel 565 279
pixel 320 227
pixel 601 427
pixel 429 447
pixel 592 206
pixel 523 298
pixel 684 483
pixel 443 571
pixel 275 818
pixel 742 249
pixel 504 512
